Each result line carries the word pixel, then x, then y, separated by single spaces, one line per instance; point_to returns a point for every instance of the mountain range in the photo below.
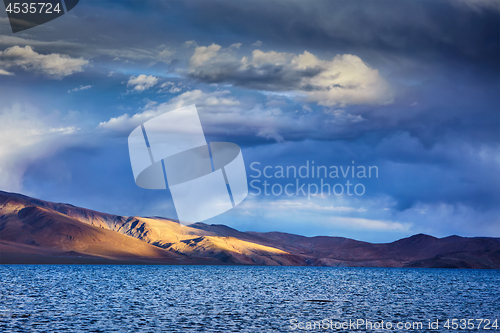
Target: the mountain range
pixel 34 231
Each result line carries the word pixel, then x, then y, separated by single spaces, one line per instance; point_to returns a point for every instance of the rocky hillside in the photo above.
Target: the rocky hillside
pixel 36 231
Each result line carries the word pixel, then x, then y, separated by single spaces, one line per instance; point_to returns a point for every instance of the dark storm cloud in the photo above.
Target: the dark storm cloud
pixel 432 31
pixel 427 30
pixel 266 77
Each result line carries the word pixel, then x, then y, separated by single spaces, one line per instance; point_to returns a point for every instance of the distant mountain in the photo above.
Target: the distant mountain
pixel 36 231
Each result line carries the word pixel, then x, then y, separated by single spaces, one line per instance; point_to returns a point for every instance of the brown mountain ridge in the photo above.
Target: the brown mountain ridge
pixel 33 231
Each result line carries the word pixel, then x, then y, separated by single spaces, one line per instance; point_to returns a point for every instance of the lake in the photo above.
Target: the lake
pixel 93 298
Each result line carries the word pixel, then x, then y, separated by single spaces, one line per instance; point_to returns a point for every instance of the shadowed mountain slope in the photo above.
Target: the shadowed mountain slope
pixel 36 231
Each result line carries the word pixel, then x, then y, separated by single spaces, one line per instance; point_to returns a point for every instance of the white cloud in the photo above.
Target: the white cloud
pixel 344 80
pixel 202 54
pixel 341 117
pixel 478 5
pixel 257 43
pixel 236 45
pixel 132 55
pixel 165 55
pixel 171 87
pixel 14 40
pixel 311 206
pixel 367 224
pixel 158 54
pixel 306 108
pixel 270 133
pixel 223 114
pixel 4 72
pixel 25 136
pixel 82 87
pixel 55 65
pixel 202 100
pixel 260 58
pixel 142 82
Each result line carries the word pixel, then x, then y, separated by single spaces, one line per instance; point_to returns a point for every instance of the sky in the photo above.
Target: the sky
pixel 410 88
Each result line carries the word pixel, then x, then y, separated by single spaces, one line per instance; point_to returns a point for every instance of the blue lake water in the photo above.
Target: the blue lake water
pixel 88 298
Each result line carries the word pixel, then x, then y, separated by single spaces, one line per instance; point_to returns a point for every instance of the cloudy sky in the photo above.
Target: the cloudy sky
pixel 411 87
